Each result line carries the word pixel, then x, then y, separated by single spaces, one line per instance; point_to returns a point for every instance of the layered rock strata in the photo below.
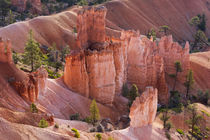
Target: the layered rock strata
pixel 144 108
pixel 91 26
pixel 5 51
pixel 104 63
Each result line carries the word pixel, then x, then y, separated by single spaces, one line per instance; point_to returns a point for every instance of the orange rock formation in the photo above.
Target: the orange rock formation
pixel 5 51
pixel 91 26
pixel 105 63
pixel 144 108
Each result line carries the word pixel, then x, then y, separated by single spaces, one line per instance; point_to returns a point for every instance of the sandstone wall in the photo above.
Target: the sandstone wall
pixel 75 73
pixel 146 66
pixel 91 26
pixel 144 108
pixel 172 52
pixel 5 51
pixel 104 63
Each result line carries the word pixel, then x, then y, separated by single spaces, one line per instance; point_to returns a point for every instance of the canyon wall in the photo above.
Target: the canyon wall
pixel 5 51
pixel 102 64
pixel 171 52
pixel 91 26
pixel 144 108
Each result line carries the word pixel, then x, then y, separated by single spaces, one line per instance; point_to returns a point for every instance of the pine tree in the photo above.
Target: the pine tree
pixel 43 123
pixel 189 82
pixel 64 52
pixel 33 108
pixel 94 112
pixel 178 68
pixel 32 54
pixel 164 29
pixel 4 8
pixel 194 118
pixel 133 93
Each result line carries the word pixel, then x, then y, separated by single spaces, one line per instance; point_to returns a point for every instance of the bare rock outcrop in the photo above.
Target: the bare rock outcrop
pixel 5 51
pixel 171 52
pixel 144 108
pixel 104 63
pixel 33 84
pixel 91 26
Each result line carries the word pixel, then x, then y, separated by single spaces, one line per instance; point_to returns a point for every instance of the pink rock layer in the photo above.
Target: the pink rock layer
pixel 144 108
pixel 104 63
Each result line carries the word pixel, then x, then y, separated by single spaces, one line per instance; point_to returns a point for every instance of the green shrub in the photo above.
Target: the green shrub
pixel 180 131
pixel 33 108
pixel 98 136
pixel 74 116
pixel 168 126
pixel 56 125
pixel 207 129
pixel 76 133
pixel 110 138
pixel 43 123
pixel 87 120
pixel 168 136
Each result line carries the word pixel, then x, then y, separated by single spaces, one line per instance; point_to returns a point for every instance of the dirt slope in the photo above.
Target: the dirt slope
pixel 146 14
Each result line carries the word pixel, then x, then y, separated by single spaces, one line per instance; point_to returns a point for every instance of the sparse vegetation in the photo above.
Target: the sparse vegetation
pixel 43 123
pixel 76 133
pixel 33 108
pixel 180 131
pixel 75 116
pixel 178 68
pixel 32 54
pixel 98 136
pixel 152 33
pixel 164 29
pixel 189 82
pixel 125 90
pixel 133 94
pixel 94 112
pixel 56 126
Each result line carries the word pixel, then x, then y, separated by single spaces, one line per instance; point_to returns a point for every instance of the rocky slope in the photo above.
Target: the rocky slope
pixel 122 14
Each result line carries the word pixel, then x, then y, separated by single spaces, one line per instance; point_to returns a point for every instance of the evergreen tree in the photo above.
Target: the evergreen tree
pixel 194 119
pixel 178 68
pixel 164 29
pixel 200 38
pixel 133 93
pixel 32 54
pixel 189 82
pixel 33 108
pixel 64 52
pixel 195 21
pixel 152 33
pixel 165 117
pixel 202 25
pixel 94 112
pixel 4 8
pixel 43 123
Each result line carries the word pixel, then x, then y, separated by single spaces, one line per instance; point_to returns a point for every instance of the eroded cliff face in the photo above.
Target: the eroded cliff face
pixel 144 108
pixel 5 51
pixel 104 63
pixel 91 26
pixel 171 52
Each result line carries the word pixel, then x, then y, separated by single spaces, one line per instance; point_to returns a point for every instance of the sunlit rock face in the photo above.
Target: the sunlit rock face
pixel 5 51
pixel 91 26
pixel 103 63
pixel 171 52
pixel 144 108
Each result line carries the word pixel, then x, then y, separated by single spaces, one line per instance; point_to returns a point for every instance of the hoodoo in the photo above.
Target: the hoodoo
pixel 103 63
